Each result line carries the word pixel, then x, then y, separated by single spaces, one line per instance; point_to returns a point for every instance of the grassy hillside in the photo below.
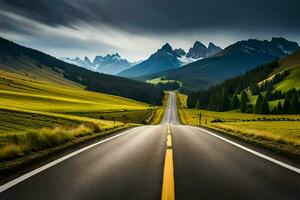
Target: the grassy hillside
pixel 277 132
pixel 22 60
pixel 292 65
pixel 261 90
pixel 41 109
pixel 26 92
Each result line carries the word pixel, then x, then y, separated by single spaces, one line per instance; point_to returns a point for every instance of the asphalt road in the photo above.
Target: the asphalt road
pixel 131 167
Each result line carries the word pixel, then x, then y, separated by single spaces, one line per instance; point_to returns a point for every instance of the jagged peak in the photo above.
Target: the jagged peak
pixel 213 46
pixel 166 47
pixel 198 44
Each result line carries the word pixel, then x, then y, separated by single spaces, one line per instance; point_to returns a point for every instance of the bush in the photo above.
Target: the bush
pixel 216 120
pixel 11 151
pixel 44 138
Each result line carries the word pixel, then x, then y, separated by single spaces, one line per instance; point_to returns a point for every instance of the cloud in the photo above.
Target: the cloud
pixel 136 28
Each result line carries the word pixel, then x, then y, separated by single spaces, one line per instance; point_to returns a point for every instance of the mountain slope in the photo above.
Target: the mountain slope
pixel 109 64
pixel 291 64
pixel 76 61
pixel 11 52
pixel 274 83
pixel 164 59
pixel 233 60
pixel 167 59
pixel 199 50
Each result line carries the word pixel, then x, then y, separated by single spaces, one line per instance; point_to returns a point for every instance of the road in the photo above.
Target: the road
pixel 131 166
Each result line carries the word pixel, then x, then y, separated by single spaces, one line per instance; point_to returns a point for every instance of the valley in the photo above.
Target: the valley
pixel 148 100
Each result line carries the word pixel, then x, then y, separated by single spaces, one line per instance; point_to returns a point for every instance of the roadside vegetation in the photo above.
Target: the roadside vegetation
pixel 159 113
pixel 280 132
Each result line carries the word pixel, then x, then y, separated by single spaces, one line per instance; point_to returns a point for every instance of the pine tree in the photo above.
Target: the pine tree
pixel 294 107
pixel 279 109
pixel 223 103
pixel 286 105
pixel 235 102
pixel 268 95
pixel 244 100
pixel 198 105
pixel 264 107
pixel 258 104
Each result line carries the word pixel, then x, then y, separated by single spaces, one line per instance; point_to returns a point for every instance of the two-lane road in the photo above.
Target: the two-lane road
pixel 131 165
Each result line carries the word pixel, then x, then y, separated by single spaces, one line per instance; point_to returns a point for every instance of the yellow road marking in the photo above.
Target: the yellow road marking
pixel 169 140
pixel 168 191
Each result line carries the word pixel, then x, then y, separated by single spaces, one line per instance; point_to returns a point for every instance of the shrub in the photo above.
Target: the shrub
pixel 10 151
pixel 216 120
pixel 44 138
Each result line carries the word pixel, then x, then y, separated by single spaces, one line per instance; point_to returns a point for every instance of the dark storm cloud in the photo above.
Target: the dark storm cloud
pixel 163 15
pixel 137 28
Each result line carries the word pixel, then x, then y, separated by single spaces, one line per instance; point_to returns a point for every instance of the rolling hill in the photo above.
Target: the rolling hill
pixel 232 61
pixel 22 60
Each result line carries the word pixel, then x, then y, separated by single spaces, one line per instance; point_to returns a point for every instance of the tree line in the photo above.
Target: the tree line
pixel 223 97
pixel 170 85
pixel 232 94
pixel 93 81
pixel 289 105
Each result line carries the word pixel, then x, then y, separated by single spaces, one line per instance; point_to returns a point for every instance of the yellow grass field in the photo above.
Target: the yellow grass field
pixel 47 107
pixel 281 132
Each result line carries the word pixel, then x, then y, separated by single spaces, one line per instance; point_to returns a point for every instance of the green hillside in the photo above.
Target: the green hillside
pixel 19 59
pixel 40 108
pixel 292 65
pixel 272 88
pixel 31 93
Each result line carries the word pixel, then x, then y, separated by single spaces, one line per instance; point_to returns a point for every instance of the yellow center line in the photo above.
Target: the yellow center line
pixel 169 141
pixel 168 191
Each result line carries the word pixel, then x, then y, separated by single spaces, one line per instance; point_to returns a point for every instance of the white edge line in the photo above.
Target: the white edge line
pixel 295 169
pixel 55 162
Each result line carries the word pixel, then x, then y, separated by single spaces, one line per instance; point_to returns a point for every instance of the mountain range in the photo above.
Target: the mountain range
pixel 233 60
pixel 109 64
pixel 166 58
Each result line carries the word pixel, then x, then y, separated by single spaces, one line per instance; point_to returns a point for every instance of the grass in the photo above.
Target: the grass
pixel 39 109
pixel 23 92
pixel 159 113
pixel 29 131
pixel 19 160
pixel 34 140
pixel 131 116
pixel 160 80
pixel 291 81
pixel 280 132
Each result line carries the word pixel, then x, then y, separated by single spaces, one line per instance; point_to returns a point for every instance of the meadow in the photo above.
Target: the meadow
pixel 277 132
pixel 42 111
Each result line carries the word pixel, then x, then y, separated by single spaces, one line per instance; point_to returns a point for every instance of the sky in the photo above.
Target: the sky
pixel 137 28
